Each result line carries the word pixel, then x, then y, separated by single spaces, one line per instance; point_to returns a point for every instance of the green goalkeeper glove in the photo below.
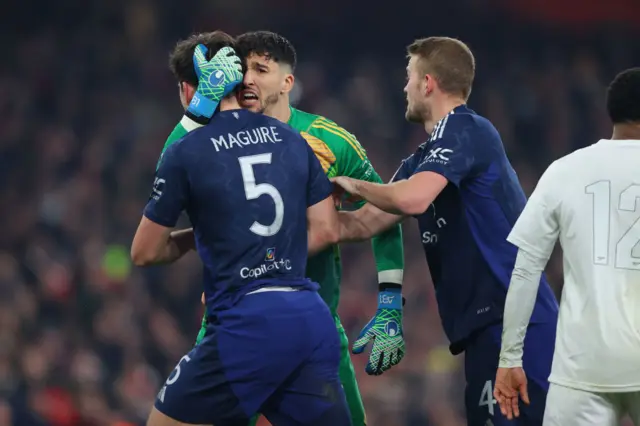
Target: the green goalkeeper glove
pixel 385 329
pixel 216 79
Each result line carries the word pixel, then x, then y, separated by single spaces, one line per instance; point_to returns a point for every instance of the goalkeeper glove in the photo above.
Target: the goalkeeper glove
pixel 385 329
pixel 216 79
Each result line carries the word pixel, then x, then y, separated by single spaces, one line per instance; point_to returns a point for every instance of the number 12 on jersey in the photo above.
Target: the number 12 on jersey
pixel 627 202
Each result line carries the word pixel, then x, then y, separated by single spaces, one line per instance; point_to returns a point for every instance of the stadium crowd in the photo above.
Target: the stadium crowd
pixel 87 102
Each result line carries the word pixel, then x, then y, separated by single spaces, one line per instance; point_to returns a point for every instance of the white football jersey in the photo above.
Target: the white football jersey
pixel 590 200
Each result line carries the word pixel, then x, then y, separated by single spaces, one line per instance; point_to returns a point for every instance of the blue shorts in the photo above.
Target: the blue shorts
pixel 481 363
pixel 274 352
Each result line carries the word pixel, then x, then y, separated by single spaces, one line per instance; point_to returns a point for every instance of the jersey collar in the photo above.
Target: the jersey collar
pixel 462 109
pixel 436 132
pixel 292 112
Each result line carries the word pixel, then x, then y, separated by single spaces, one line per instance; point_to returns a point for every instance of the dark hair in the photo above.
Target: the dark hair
pixel 181 59
pixel 623 97
pixel 449 60
pixel 265 43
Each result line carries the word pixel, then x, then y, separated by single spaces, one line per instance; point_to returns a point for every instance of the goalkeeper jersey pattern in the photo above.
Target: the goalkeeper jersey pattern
pixel 341 154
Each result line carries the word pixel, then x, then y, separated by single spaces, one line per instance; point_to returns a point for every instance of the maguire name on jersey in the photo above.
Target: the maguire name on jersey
pixel 247 137
pixel 464 230
pixel 245 181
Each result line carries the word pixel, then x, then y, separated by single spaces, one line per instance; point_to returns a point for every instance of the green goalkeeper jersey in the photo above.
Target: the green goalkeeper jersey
pixel 340 154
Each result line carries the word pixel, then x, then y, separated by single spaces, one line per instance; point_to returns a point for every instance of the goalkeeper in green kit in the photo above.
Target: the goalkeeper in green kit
pixel 268 79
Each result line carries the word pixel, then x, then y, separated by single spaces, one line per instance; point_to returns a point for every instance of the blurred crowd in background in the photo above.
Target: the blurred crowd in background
pixel 87 101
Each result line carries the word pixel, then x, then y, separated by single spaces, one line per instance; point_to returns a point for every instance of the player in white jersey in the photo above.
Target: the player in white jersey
pixel 590 200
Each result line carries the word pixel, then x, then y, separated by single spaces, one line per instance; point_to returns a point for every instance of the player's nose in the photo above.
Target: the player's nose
pixel 247 80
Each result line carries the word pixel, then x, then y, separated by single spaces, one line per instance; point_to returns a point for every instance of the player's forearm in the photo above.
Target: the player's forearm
pixel 380 195
pixel 394 198
pixel 387 246
pixel 352 229
pixel 365 223
pixel 318 240
pixel 389 255
pixel 176 245
pixel 314 244
pixel 183 241
pixel 521 299
pixel 179 243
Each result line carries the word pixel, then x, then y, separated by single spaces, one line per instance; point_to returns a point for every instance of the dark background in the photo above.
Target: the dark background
pixel 87 101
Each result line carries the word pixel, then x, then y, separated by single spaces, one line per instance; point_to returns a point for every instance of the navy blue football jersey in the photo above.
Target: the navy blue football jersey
pixel 464 231
pixel 245 181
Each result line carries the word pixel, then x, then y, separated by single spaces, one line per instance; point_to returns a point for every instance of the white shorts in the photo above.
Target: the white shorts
pixel 573 407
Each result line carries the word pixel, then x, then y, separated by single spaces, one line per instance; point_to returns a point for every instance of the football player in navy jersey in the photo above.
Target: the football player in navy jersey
pixel 257 197
pixel 464 193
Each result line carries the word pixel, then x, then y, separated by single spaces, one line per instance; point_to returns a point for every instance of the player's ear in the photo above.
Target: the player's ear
pixel 287 84
pixel 429 84
pixel 186 93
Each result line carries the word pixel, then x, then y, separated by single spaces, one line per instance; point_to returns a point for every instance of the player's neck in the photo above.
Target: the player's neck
pixel 280 110
pixel 625 131
pixel 440 110
pixel 229 103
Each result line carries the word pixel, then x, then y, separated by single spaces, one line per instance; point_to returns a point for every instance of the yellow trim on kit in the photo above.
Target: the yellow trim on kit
pixel 340 132
pixel 322 151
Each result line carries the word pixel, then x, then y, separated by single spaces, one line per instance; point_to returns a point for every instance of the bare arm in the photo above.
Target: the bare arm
pixel 154 244
pixel 405 197
pixel 185 240
pixel 323 227
pixel 365 223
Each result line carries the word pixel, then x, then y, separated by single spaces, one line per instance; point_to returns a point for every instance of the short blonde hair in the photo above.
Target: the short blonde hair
pixel 449 60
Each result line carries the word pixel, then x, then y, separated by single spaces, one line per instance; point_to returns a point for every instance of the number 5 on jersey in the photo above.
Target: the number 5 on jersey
pixel 253 191
pixel 627 203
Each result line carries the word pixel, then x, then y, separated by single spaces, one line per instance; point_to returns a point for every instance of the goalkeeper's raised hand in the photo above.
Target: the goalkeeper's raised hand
pixel 216 79
pixel 385 329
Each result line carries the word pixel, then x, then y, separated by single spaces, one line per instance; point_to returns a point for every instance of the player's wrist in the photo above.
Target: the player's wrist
pixel 509 363
pixel 390 296
pixel 394 288
pixel 201 108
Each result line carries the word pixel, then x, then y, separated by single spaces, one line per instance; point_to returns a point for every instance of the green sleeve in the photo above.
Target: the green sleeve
pixel 178 132
pixel 182 128
pixel 387 247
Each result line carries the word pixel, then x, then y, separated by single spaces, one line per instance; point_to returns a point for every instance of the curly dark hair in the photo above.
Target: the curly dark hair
pixel 269 44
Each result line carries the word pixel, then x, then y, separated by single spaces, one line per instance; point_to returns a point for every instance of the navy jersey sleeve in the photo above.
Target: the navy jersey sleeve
pixel 406 169
pixel 318 187
pixel 170 189
pixel 456 149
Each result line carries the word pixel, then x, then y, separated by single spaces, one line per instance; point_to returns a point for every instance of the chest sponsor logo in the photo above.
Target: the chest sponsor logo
pixel 438 155
pixel 269 267
pixel 431 237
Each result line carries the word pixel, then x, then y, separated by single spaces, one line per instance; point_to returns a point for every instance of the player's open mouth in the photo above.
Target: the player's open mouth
pixel 248 98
